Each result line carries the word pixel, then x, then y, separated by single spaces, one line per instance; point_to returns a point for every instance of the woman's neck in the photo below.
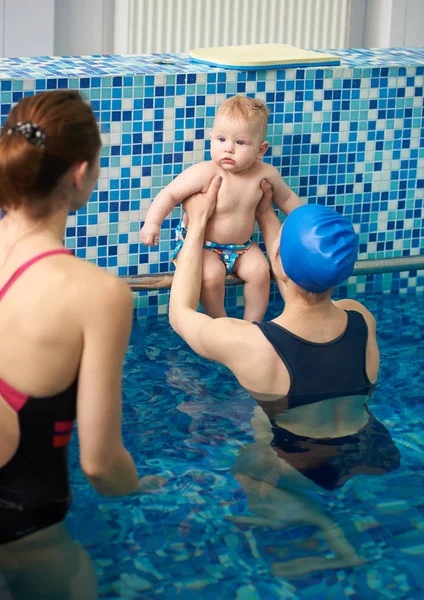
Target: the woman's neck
pixel 318 322
pixel 20 232
pixel 297 304
pixel 17 223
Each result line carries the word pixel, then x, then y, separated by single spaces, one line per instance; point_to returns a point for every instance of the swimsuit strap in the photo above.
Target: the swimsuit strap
pixel 26 266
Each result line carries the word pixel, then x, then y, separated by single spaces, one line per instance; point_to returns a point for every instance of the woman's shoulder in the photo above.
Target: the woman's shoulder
pixel 97 287
pixel 354 305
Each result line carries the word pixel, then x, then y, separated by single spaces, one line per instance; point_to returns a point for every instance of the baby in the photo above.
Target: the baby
pixel 237 147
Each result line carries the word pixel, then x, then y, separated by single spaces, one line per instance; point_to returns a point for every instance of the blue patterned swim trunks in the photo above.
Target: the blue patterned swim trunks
pixel 228 253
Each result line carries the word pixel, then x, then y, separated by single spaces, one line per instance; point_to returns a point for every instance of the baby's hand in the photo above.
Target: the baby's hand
pixel 149 234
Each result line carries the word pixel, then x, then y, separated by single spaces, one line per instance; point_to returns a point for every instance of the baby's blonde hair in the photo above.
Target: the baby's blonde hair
pixel 247 109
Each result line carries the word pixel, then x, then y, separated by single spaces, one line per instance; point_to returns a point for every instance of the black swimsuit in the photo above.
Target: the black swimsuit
pixel 318 372
pixel 34 487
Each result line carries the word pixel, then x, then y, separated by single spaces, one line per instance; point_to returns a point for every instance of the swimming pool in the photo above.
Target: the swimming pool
pixel 187 419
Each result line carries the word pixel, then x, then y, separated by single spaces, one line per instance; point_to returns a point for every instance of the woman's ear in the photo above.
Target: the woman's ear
pixel 276 264
pixel 79 173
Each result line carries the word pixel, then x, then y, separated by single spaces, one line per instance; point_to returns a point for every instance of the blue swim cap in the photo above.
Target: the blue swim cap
pixel 318 247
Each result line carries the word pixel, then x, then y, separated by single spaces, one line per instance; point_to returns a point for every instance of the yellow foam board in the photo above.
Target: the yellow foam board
pixel 260 55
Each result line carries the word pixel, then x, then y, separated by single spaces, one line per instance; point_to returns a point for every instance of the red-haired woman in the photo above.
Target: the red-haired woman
pixel 64 328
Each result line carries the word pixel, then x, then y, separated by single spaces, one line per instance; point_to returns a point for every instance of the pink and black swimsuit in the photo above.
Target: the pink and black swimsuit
pixel 34 487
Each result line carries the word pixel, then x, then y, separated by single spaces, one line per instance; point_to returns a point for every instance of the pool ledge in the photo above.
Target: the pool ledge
pixel 163 281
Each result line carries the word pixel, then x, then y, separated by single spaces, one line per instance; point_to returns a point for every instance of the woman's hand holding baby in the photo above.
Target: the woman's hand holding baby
pixel 200 207
pixel 266 201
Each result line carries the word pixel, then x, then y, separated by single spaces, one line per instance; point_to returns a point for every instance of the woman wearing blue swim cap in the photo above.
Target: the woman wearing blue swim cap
pixel 311 370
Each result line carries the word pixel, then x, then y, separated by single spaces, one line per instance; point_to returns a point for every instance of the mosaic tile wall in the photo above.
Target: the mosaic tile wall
pixel 350 137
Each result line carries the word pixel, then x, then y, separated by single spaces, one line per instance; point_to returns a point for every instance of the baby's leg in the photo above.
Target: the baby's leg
pixel 213 285
pixel 252 267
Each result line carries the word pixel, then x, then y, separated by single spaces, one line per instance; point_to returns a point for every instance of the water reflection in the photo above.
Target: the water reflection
pixel 284 474
pixel 288 478
pixel 46 565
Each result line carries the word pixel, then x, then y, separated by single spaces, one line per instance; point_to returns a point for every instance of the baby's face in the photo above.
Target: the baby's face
pixel 236 144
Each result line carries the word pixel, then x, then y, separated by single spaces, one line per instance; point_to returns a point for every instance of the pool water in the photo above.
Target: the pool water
pixel 187 419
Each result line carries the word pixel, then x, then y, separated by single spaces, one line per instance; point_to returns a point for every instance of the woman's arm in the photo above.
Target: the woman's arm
pixel 270 227
pixel 106 463
pixel 267 218
pixel 215 339
pixel 187 281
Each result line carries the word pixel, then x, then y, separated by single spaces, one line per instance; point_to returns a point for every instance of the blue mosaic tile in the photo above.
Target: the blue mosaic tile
pixel 63 67
pixel 349 137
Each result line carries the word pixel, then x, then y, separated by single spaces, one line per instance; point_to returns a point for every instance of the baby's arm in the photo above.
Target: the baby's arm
pixel 194 179
pixel 282 195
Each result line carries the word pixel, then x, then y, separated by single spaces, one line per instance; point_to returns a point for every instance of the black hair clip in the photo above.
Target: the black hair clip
pixel 31 131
